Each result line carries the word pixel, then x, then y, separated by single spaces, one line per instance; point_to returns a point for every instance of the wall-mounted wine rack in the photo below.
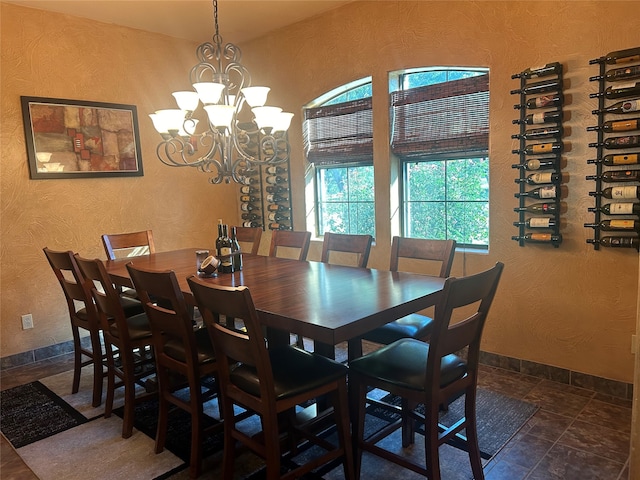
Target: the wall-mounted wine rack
pixel 617 176
pixel 265 199
pixel 540 154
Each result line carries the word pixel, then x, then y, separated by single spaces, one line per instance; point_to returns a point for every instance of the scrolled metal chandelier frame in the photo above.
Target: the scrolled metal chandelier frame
pixel 233 142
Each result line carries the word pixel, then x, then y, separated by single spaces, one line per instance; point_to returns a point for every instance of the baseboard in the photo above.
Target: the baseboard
pixel 600 385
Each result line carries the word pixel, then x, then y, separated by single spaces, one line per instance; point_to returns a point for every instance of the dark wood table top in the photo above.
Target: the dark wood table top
pixel 328 303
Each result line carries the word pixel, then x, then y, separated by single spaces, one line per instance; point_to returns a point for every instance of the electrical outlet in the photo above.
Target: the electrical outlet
pixel 27 321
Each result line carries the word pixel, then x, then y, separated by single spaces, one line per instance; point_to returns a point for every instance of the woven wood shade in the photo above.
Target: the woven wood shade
pixel 441 120
pixel 341 133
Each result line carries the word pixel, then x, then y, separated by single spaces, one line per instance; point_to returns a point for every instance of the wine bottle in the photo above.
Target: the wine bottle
pixel 618 192
pixel 619 208
pixel 219 239
pixel 278 226
pixel 251 224
pixel 250 216
pixel 622 56
pixel 548 191
pixel 541 117
pixel 276 189
pixel 613 225
pixel 540 71
pixel 626 89
pixel 535 133
pixel 247 207
pixel 617 242
pixel 613 143
pixel 538 164
pixel 543 101
pixel 235 249
pixel 541 148
pixel 539 87
pixel 613 159
pixel 250 180
pixel 277 217
pixel 625 106
pixel 625 125
pixel 226 265
pixel 249 198
pixel 275 207
pixel 539 208
pixel 617 176
pixel 540 178
pixel 247 190
pixel 617 74
pixel 273 170
pixel 273 198
pixel 540 238
pixel 537 222
pixel 275 179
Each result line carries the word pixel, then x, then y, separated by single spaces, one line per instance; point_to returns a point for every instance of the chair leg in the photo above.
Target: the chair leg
pixel 163 407
pixel 357 405
pixel 98 371
pixel 431 444
pixel 472 436
pixel 272 446
pixel 111 383
pixel 341 414
pixel 129 394
pixel 77 359
pixel 228 459
pixel 196 430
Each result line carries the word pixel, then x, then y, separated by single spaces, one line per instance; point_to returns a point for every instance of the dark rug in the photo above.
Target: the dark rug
pixel 32 412
pixel 498 417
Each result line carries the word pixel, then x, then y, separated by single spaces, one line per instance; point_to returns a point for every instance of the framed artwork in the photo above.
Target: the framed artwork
pixel 80 139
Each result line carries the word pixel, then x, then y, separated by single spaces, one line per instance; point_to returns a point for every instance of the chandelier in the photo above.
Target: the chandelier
pixel 241 131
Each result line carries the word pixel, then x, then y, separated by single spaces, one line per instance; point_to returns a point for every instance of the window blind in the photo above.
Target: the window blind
pixel 441 120
pixel 340 133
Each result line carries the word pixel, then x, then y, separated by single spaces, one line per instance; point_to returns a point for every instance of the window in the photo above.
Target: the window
pixel 338 137
pixel 439 121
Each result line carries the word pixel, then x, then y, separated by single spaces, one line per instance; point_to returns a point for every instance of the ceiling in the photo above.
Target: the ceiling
pixel 239 20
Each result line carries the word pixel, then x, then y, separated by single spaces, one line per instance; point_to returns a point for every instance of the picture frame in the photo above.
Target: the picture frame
pixel 80 139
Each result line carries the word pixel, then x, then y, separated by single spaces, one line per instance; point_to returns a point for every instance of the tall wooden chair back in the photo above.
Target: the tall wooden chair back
pixel 128 244
pixel 127 339
pixel 430 374
pixel 83 315
pixel 269 382
pixel 360 245
pixel 249 235
pixel 290 239
pixel 440 251
pixel 179 351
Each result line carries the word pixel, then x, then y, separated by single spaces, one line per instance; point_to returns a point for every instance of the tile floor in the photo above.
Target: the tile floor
pixel 576 435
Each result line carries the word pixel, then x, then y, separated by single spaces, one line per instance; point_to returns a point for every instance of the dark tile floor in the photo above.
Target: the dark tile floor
pixel 576 435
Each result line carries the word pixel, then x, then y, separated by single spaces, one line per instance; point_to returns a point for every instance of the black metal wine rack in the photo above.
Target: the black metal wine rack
pixel 617 175
pixel 541 103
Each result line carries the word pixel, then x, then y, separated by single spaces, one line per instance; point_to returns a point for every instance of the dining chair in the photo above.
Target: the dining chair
pixel 180 352
pixel 132 244
pixel 83 316
pixel 360 245
pixel 249 235
pixel 290 239
pixel 416 325
pixel 270 382
pixel 127 341
pixel 428 374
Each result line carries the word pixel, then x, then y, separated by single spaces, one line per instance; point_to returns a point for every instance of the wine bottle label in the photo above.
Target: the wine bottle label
pixel 621 208
pixel 622 224
pixel 623 85
pixel 544 100
pixel 540 237
pixel 624 192
pixel 625 125
pixel 542 148
pixel 533 164
pixel 548 192
pixel 541 177
pixel 631 106
pixel 225 251
pixel 537 118
pixel 624 159
pixel 539 222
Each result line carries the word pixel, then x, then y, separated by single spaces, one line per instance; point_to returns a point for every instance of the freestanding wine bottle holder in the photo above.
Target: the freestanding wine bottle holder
pixel 617 171
pixel 269 202
pixel 540 149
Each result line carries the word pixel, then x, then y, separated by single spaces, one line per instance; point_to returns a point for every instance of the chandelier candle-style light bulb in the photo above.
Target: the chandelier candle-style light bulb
pixel 234 139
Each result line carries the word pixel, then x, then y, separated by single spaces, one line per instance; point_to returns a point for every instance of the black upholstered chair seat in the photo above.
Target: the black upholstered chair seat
pixel 131 306
pixel 411 326
pixel 404 363
pixel 138 327
pixel 175 349
pixel 294 371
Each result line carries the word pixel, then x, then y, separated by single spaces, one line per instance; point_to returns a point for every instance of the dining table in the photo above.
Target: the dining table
pixel 327 303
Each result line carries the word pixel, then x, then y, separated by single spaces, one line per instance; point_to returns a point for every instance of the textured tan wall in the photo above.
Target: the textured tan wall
pixel 50 55
pixel 570 307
